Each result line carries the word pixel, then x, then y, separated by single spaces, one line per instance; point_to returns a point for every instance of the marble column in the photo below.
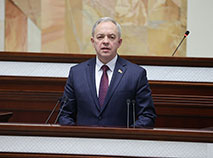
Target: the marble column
pixel 16 28
pixel 53 26
pixel 2 18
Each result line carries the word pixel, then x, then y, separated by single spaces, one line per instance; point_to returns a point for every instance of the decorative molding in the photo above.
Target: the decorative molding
pixel 77 58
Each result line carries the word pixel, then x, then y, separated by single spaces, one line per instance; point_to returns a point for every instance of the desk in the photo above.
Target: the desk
pixel 33 140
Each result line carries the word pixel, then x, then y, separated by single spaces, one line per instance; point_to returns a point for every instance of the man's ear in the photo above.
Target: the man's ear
pixel 120 42
pixel 92 40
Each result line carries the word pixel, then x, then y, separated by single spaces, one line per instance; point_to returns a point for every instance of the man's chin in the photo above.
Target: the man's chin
pixel 105 57
pixel 105 52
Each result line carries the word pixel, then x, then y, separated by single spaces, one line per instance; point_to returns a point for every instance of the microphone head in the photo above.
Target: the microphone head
pixel 133 101
pixel 128 101
pixel 186 33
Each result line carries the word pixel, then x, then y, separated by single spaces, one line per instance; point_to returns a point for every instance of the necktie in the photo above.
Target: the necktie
pixel 103 85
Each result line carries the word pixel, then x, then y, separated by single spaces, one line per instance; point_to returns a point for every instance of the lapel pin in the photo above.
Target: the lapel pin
pixel 120 71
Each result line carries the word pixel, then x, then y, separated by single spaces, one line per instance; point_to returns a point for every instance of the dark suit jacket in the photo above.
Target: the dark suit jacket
pixel 129 81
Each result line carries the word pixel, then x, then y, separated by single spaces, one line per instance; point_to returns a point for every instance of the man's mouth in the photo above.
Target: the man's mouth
pixel 105 48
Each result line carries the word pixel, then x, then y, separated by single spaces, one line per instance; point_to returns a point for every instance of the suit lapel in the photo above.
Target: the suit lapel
pixel 91 81
pixel 118 73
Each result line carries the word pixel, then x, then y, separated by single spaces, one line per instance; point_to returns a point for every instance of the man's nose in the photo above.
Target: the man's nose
pixel 106 40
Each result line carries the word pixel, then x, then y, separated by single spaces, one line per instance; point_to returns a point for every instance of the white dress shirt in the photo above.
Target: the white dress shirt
pixel 99 71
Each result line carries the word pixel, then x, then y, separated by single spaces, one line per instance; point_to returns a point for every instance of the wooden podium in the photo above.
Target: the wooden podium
pixel 39 141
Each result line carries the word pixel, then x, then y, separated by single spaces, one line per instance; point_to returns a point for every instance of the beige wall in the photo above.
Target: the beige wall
pixel 200 23
pixel 149 27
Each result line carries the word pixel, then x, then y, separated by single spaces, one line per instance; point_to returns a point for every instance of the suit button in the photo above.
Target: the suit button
pixel 99 117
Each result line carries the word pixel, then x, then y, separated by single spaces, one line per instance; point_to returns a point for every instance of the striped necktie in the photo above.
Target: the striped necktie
pixel 103 85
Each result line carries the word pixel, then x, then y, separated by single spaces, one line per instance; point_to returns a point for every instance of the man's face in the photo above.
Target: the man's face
pixel 106 41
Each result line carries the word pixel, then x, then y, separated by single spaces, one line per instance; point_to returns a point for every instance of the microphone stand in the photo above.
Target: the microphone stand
pixel 62 107
pixel 50 115
pixel 128 103
pixel 133 112
pixel 178 45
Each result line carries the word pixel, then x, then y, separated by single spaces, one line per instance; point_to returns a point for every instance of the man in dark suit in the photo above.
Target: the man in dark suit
pixel 97 91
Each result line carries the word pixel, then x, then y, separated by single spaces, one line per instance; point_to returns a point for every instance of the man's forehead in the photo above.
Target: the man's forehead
pixel 106 24
pixel 104 33
pixel 106 27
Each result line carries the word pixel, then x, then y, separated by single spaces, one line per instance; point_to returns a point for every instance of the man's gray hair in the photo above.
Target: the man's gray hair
pixel 105 19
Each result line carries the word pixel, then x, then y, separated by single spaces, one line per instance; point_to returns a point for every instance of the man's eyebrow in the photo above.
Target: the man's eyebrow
pixel 99 34
pixel 111 34
pixel 102 34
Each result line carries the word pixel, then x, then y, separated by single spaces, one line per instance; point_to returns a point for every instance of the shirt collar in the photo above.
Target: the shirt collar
pixel 110 64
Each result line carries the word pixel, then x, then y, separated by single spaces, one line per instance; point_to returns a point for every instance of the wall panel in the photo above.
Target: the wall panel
pixel 178 104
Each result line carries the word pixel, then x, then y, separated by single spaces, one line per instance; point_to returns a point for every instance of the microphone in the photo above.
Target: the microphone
pixel 128 104
pixel 62 107
pixel 185 35
pixel 133 112
pixel 53 110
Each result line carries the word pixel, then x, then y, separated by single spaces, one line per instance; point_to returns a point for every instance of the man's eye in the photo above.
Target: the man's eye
pixel 100 37
pixel 112 37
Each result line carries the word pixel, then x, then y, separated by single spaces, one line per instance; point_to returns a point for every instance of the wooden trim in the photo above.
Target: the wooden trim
pixel 77 58
pixel 105 132
pixel 181 83
pixel 29 83
pixel 39 155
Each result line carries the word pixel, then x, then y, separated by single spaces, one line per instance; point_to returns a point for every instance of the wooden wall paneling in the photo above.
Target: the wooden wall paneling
pixel 178 104
pixel 182 88
pixel 183 104
pixel 30 99
pixel 32 83
pixel 29 107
